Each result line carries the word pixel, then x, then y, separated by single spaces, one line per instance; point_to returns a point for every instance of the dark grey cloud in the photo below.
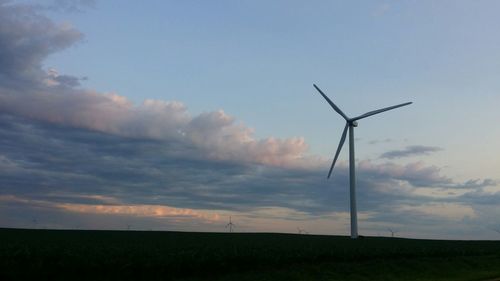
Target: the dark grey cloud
pixel 66 81
pixel 478 183
pixel 417 173
pixel 56 163
pixel 26 38
pixel 47 165
pixel 64 164
pixel 413 150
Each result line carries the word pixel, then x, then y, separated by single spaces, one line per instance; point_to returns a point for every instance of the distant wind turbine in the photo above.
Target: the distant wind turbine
pixel 351 123
pixel 301 231
pixel 230 225
pixel 392 232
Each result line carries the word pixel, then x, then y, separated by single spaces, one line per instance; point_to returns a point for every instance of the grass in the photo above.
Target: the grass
pixel 150 255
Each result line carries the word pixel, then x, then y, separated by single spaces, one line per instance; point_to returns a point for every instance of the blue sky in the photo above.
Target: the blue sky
pixel 211 109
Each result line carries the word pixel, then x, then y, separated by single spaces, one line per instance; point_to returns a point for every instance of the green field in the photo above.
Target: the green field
pixel 151 255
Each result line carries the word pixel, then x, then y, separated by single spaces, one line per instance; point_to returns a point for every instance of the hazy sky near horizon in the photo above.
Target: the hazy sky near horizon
pixel 177 114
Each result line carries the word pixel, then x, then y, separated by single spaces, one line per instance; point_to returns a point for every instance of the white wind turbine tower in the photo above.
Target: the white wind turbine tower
pixel 230 225
pixel 351 123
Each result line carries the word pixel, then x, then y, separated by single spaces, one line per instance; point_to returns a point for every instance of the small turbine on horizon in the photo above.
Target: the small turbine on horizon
pixel 350 124
pixel 301 231
pixel 392 232
pixel 230 225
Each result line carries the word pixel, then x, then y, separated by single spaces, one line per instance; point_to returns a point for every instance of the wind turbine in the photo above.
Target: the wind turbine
pixel 301 231
pixel 350 124
pixel 392 232
pixel 497 230
pixel 230 225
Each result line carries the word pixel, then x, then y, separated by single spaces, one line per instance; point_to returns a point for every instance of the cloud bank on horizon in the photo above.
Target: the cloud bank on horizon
pixel 74 154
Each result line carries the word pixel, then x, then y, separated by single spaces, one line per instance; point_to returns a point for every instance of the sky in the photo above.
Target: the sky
pixel 175 115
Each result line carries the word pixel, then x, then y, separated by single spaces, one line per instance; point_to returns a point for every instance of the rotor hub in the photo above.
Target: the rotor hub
pixel 354 123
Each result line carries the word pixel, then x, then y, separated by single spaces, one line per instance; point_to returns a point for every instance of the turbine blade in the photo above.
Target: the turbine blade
pixel 331 103
pixel 379 111
pixel 342 140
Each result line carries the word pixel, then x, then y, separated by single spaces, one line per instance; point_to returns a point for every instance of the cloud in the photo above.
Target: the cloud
pixel 452 211
pixel 215 135
pixel 478 183
pixel 88 169
pixel 54 79
pixel 417 173
pixel 409 151
pixel 77 163
pixel 28 37
pixel 387 140
pixel 48 214
pixel 139 210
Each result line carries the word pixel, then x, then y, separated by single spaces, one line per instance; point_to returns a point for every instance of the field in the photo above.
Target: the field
pixel 150 255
